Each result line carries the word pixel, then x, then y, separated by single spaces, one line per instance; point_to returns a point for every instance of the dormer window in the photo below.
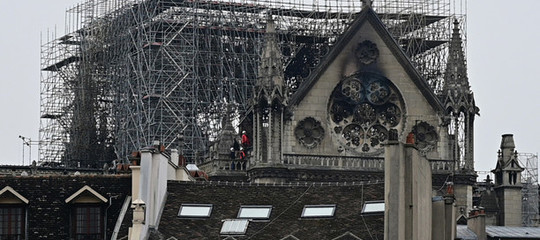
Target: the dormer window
pixel 88 221
pixel 12 214
pixel 87 214
pixel 12 222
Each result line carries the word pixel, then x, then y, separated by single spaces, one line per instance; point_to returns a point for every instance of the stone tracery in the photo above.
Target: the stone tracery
pixel 367 52
pixel 363 108
pixel 309 132
pixel 426 136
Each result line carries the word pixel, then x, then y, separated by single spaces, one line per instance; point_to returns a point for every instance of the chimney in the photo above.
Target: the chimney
pixel 175 157
pixel 135 181
pixel 477 222
pixel 449 212
pixel 407 187
pixel 136 230
pixel 507 145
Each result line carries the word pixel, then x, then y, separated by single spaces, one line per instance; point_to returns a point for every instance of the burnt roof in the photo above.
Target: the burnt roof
pixel 287 203
pixel 489 201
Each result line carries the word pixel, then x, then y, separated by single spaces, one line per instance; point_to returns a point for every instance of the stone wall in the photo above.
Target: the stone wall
pixel 315 104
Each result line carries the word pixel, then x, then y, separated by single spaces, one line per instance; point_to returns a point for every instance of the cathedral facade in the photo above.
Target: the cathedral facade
pixel 335 126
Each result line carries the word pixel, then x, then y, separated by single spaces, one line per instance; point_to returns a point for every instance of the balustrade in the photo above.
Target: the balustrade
pixel 232 165
pixel 338 162
pixel 355 163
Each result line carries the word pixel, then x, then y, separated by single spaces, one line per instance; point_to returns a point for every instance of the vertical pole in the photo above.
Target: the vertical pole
pixel 29 154
pixel 23 153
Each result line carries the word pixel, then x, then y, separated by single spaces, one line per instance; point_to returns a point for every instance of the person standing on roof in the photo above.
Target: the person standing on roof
pixel 232 155
pixel 242 154
pixel 245 140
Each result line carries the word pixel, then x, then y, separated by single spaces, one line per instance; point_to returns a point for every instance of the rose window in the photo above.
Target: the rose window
pixel 309 132
pixel 363 108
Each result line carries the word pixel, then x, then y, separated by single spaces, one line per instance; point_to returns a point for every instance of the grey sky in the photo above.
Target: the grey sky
pixel 21 23
pixel 503 57
pixel 503 53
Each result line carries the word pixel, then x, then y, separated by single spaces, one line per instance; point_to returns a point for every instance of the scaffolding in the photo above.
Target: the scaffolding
pixel 132 72
pixel 529 180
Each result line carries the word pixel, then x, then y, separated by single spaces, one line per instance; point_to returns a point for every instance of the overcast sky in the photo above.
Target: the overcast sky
pixel 503 62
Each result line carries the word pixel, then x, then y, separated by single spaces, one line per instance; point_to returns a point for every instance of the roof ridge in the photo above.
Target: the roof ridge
pixel 291 184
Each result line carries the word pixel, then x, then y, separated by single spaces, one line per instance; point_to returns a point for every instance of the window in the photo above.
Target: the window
pixel 88 222
pixel 373 207
pixel 12 222
pixel 87 214
pixel 255 212
pixel 318 211
pixel 195 210
pixel 12 214
pixel 234 226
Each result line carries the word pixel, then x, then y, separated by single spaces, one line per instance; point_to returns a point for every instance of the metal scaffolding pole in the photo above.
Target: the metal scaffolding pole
pixel 529 180
pixel 130 72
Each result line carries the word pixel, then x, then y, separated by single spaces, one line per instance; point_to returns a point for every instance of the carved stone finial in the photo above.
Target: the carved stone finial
pixel 271 66
pixel 367 3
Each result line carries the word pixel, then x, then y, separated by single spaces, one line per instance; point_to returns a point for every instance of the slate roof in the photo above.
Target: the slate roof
pixel 287 201
pixel 513 232
pixel 48 214
pixel 464 233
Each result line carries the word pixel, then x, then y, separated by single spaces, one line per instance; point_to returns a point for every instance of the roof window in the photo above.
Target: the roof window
pixel 373 207
pixel 317 211
pixel 195 210
pixel 234 226
pixel 255 211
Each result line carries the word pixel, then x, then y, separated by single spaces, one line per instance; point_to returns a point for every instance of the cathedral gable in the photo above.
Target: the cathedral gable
pixel 364 88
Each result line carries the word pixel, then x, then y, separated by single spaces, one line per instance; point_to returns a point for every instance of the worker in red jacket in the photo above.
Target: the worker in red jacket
pixel 245 140
pixel 242 154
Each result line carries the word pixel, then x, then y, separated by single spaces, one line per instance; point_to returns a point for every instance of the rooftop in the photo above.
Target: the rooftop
pixel 287 202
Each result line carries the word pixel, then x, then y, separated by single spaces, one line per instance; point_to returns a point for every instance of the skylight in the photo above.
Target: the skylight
pixel 255 212
pixel 318 211
pixel 195 210
pixel 373 207
pixel 234 226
